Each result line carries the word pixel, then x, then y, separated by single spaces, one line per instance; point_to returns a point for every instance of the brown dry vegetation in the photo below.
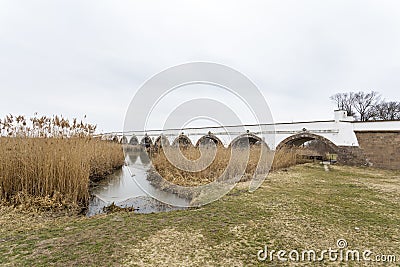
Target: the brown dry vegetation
pixel 49 163
pixel 282 158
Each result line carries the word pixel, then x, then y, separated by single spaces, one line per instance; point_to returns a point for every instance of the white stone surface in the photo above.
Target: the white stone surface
pixel 340 131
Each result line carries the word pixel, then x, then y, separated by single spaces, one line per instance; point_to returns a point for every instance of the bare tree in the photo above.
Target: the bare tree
pixel 364 104
pixel 345 101
pixel 387 111
pixel 367 106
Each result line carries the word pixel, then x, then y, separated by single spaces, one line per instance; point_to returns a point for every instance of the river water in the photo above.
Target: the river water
pixel 122 189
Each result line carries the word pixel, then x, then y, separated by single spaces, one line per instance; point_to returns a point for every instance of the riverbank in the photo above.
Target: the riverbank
pixel 304 207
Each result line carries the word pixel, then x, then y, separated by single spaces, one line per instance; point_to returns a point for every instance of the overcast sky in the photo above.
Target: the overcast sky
pixel 81 58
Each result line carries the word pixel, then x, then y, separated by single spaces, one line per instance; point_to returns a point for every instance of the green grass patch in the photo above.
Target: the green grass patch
pixel 304 208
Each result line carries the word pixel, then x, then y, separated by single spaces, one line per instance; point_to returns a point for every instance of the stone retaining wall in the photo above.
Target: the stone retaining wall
pixel 381 148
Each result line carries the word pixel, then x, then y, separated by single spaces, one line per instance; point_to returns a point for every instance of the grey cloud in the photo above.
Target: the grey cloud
pixel 89 57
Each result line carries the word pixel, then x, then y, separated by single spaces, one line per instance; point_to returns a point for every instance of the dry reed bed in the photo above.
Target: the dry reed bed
pixel 54 170
pixel 282 158
pixel 48 163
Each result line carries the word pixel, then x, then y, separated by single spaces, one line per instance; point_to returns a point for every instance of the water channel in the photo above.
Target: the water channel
pixel 122 189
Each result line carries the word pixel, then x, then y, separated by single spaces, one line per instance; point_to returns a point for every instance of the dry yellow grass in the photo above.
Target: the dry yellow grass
pixel 183 176
pixel 286 157
pixel 50 163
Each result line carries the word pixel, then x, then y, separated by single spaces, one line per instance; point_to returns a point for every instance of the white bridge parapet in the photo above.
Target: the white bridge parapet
pixel 340 131
pixel 373 126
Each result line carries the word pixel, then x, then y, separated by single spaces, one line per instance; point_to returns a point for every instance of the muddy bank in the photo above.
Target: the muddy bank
pixel 98 177
pixel 197 195
pixel 157 181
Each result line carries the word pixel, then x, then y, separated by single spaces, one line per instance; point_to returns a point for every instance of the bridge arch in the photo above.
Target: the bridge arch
pixel 182 140
pixel 161 141
pixel 301 138
pixel 106 137
pixel 115 139
pixel 134 140
pixel 124 140
pixel 204 140
pixel 252 140
pixel 146 141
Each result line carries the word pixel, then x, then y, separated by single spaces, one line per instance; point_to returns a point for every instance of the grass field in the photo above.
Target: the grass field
pixel 304 207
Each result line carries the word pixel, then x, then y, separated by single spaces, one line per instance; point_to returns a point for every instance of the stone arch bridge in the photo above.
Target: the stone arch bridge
pixel 373 143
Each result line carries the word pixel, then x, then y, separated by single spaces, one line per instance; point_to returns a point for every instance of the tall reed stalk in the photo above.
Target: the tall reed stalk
pixel 282 158
pixel 52 160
